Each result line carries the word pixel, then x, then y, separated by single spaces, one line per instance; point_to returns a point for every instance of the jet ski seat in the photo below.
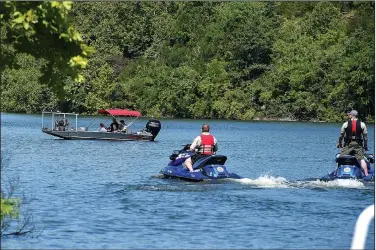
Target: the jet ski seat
pixel 210 160
pixel 347 160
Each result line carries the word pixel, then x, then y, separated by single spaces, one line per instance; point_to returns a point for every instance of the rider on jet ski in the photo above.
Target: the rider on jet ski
pixel 354 133
pixel 206 144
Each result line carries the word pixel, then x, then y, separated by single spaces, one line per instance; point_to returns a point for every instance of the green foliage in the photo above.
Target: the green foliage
pixel 9 209
pixel 158 90
pixel 21 90
pixel 9 204
pixel 315 74
pixel 43 30
pixel 227 60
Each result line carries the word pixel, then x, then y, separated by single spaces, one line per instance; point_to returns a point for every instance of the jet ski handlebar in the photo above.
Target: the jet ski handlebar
pixel 175 153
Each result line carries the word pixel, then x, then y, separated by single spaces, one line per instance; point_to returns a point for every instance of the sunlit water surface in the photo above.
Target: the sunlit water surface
pixel 103 194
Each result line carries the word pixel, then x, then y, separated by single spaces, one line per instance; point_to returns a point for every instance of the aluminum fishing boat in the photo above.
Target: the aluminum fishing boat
pixel 66 126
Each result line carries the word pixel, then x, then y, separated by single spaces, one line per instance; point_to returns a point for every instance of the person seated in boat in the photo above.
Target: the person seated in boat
pixel 122 126
pixel 354 134
pixel 114 126
pixel 102 128
pixel 56 127
pixel 205 143
pixel 66 124
pixel 59 124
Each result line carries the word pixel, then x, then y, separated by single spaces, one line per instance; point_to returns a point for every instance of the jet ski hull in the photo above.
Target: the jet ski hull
pixel 209 172
pixel 210 167
pixel 348 167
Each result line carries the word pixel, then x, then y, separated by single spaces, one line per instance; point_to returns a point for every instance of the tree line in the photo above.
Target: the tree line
pixel 303 61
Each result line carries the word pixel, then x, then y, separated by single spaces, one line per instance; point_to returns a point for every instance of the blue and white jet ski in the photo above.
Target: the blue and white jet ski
pixel 210 167
pixel 348 167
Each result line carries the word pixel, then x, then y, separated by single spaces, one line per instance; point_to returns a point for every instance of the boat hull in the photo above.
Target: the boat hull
pixel 94 135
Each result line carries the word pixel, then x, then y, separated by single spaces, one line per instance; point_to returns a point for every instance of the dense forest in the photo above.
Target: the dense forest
pixel 307 61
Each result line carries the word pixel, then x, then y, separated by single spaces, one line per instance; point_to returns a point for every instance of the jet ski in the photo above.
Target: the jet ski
pixel 210 167
pixel 348 167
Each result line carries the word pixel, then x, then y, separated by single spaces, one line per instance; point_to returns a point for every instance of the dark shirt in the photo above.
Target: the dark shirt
pixel 114 126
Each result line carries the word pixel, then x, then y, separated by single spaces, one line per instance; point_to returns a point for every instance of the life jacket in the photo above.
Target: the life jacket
pixel 353 131
pixel 207 144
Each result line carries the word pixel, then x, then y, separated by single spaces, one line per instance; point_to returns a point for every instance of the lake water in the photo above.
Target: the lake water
pixel 103 194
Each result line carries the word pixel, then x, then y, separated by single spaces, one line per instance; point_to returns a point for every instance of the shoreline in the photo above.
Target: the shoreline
pixel 257 119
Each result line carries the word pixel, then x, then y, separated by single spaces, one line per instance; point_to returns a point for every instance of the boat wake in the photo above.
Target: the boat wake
pixel 267 181
pixel 338 183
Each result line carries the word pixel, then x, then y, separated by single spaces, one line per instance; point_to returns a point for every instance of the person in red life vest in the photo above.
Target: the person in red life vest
pixel 354 133
pixel 206 144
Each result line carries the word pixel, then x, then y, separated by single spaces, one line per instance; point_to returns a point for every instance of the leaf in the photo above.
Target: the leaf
pixel 67 5
pixel 77 36
pixel 31 16
pixel 19 19
pixel 78 61
pixel 17 13
pixel 9 207
pixel 55 4
pixel 26 25
pixel 80 78
pixel 64 35
pixel 87 50
pixel 54 28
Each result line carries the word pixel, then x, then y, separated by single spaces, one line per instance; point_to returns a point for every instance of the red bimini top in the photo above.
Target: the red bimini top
pixel 119 112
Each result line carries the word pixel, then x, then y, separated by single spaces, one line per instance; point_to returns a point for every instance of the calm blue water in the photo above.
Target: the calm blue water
pixel 101 194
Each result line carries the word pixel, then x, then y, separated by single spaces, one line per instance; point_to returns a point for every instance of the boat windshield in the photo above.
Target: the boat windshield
pixel 57 121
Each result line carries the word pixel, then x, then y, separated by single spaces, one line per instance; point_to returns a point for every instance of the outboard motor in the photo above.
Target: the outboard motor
pixel 153 126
